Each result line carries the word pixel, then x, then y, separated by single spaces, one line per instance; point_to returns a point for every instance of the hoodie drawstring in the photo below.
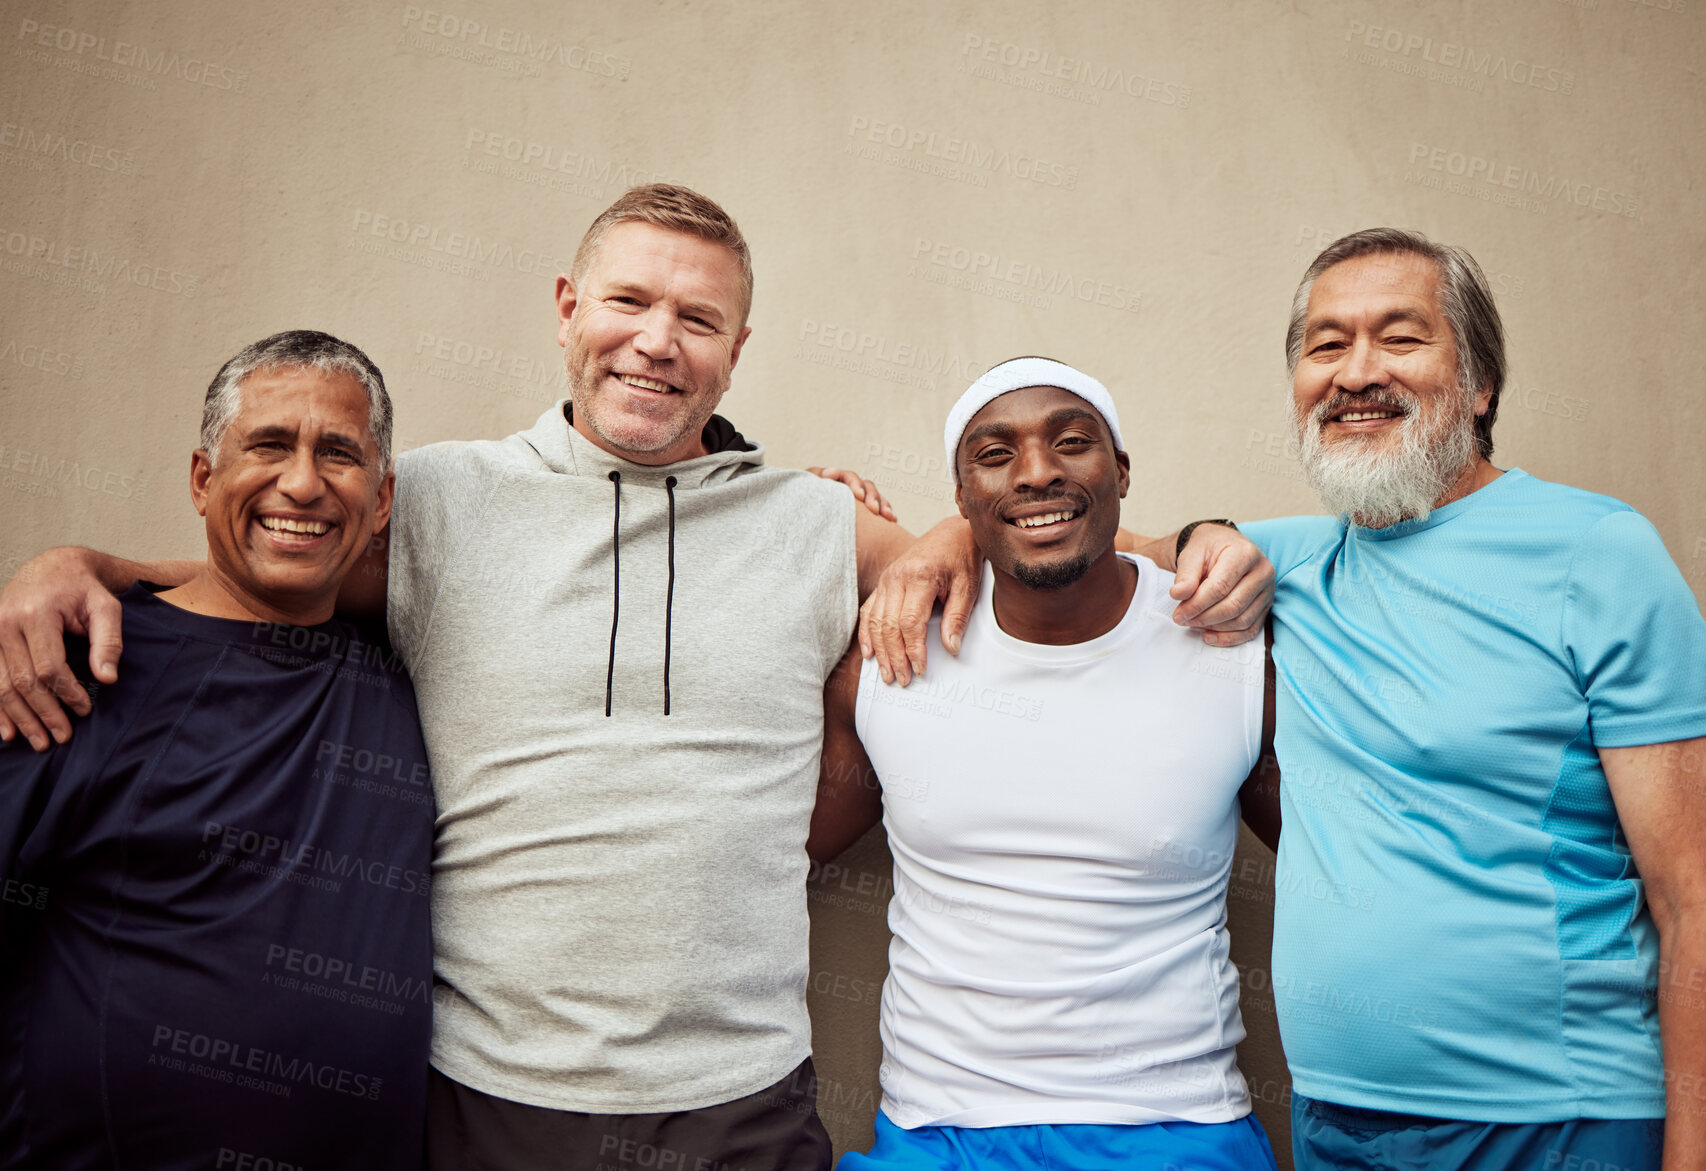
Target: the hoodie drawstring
pixel 669 598
pixel 615 587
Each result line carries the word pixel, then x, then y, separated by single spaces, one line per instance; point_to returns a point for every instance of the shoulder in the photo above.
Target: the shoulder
pixel 791 498
pixel 1540 502
pixel 794 484
pixel 1536 520
pixel 1288 541
pixel 1153 582
pixel 460 458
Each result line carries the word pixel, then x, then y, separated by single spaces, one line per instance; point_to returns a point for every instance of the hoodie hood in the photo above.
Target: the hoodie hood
pixel 570 453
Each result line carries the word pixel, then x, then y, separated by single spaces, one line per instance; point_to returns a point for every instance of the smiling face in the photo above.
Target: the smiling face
pixel 651 334
pixel 296 492
pixel 1385 425
pixel 1041 484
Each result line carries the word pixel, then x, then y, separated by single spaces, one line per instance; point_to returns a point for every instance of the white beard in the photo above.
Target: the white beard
pixel 1378 482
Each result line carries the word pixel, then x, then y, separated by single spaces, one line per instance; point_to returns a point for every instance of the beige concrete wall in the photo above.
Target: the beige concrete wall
pixel 928 189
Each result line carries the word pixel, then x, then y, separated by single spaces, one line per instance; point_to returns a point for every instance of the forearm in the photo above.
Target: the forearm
pixel 115 573
pixel 1682 1033
pixel 1157 549
pixel 877 542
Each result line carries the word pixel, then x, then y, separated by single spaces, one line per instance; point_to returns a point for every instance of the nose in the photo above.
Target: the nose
pixel 300 479
pixel 1038 466
pixel 656 336
pixel 1363 369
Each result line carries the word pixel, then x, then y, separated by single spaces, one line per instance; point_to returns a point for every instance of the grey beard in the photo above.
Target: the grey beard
pixel 1376 488
pixel 1055 576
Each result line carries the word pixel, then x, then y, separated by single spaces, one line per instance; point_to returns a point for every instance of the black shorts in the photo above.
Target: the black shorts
pixel 776 1129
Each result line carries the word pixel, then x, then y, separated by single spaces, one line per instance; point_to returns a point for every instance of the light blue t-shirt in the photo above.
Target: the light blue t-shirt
pixel 1459 928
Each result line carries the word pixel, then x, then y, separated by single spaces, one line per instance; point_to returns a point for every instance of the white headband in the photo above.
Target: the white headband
pixel 1017 374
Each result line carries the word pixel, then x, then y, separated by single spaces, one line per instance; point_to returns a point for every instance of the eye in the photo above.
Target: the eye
pixel 1326 347
pixel 341 455
pixel 1076 441
pixel 1403 341
pixel 991 454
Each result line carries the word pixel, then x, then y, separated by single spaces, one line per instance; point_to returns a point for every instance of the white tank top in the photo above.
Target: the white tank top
pixel 1062 820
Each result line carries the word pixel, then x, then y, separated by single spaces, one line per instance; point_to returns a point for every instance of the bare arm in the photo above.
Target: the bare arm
pixel 66 590
pixel 849 798
pixel 1259 798
pixel 878 543
pixel 1660 794
pixel 72 590
pixel 1224 587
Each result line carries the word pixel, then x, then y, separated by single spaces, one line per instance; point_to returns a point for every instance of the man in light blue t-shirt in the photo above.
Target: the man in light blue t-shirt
pixel 1490 918
pixel 1492 725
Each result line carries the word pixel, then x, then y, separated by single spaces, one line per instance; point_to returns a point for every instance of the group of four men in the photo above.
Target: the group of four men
pixel 1487 696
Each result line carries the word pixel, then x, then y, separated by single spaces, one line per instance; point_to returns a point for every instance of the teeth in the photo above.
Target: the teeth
pixel 1359 416
pixel 1047 518
pixel 283 524
pixel 645 383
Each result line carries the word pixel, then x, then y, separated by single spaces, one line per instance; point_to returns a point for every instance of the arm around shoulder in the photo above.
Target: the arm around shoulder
pixel 66 590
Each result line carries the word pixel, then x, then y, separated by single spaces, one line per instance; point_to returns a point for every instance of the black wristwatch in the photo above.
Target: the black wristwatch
pixel 1185 534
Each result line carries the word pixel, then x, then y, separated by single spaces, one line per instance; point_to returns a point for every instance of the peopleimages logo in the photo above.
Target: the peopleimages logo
pixel 44 256
pixel 1491 173
pixel 984 271
pixel 458 36
pixel 227 1057
pixel 545 156
pixel 1072 77
pixel 47 143
pixel 158 63
pixel 437 238
pixel 1492 64
pixel 253 851
pixel 963 152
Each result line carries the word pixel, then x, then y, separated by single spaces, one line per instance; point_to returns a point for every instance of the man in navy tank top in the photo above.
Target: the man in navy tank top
pixel 214 942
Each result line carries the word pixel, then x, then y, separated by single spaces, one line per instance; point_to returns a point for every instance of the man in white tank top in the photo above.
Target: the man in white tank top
pixel 1062 801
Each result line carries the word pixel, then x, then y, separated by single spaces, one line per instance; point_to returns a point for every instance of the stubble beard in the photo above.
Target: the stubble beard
pixel 626 435
pixel 1055 575
pixel 1377 483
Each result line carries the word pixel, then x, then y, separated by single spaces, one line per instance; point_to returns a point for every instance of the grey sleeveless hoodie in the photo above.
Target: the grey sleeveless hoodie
pixel 619 908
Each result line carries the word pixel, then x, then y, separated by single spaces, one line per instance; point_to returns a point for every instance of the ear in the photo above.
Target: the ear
pixel 382 506
pixel 1483 399
pixel 734 351
pixel 566 300
pixel 201 471
pixel 960 497
pixel 1124 461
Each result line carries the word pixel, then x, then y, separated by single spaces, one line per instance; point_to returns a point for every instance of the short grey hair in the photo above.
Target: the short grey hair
pixel 1464 298
pixel 675 209
pixel 295 349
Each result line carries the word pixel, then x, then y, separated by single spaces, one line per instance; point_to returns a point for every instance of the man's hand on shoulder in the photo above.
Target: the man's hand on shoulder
pixel 1223 584
pixel 864 491
pixel 53 594
pixel 942 565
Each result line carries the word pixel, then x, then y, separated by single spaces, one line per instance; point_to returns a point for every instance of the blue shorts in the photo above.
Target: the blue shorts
pixel 1327 1137
pixel 1151 1146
